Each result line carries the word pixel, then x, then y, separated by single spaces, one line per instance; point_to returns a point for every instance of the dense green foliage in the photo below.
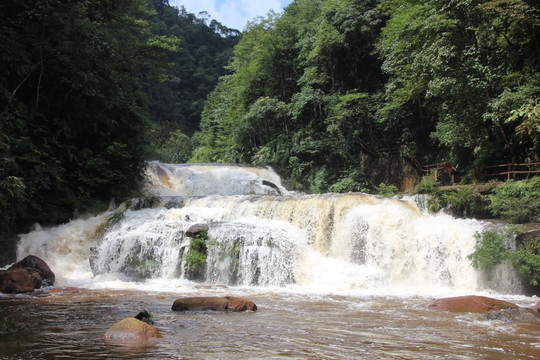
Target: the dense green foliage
pixel 387 190
pixel 195 259
pixel 464 201
pixel 329 92
pixel 526 260
pixel 517 202
pixel 177 99
pixel 91 89
pixel 492 248
pixel 72 106
pixel 329 88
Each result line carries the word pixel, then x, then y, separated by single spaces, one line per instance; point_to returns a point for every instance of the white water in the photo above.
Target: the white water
pixel 212 179
pixel 347 243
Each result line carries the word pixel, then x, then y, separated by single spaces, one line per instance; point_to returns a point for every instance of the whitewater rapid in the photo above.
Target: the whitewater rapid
pixel 260 235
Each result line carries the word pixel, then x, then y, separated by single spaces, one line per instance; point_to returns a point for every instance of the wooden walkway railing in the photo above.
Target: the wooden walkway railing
pixel 508 171
pixel 444 172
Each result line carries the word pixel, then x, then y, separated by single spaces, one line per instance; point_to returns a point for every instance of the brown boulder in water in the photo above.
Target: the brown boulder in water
pixel 15 281
pixel 470 303
pixel 35 263
pixel 215 303
pixel 132 331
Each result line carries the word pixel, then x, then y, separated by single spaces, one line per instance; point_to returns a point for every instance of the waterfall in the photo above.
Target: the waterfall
pixel 259 234
pixel 213 179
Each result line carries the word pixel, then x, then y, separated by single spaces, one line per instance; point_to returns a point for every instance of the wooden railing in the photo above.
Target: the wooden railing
pixel 444 172
pixel 508 171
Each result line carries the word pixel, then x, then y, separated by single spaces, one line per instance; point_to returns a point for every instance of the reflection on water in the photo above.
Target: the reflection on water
pixel 69 324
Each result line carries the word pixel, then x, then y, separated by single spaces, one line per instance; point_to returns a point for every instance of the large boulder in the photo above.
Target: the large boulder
pixel 215 303
pixel 196 229
pixel 16 281
pixel 470 303
pixel 34 263
pixel 132 331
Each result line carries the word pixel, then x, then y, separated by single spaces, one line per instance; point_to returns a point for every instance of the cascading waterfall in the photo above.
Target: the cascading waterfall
pixel 261 235
pixel 213 179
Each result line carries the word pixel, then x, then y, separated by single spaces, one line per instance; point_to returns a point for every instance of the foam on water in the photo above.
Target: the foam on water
pixel 341 243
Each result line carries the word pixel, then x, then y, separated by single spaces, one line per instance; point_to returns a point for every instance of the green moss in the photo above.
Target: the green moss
pixel 142 268
pixel 195 259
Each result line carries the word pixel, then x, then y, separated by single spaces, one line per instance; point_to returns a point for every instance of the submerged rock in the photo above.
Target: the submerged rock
pixel 215 303
pixel 470 303
pixel 132 331
pixel 519 314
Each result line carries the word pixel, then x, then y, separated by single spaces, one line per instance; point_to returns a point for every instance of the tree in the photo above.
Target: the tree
pixel 73 112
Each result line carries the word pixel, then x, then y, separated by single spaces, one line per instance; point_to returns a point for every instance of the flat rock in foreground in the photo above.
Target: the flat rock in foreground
pixel 215 303
pixel 470 303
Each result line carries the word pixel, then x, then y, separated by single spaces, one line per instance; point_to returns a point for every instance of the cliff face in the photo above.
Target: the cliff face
pixel 391 169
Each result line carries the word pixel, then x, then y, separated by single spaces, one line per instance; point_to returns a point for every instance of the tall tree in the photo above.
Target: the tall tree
pixel 73 111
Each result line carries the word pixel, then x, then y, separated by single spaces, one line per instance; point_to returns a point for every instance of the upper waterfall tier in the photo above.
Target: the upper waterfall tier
pixel 213 179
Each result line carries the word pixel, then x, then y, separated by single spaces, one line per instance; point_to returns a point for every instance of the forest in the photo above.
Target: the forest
pixel 329 92
pixel 90 90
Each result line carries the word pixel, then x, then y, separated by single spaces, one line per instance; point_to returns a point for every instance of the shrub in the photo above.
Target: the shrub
pixel 195 259
pixel 517 202
pixel 466 202
pixel 490 250
pixel 428 185
pixel 526 261
pixel 387 190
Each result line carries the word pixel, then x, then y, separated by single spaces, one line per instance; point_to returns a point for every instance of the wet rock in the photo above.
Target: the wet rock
pixel 215 303
pixel 15 281
pixel 92 259
pixel 273 186
pixel 519 314
pixel 470 303
pixel 132 331
pixel 35 275
pixel 240 304
pixel 35 263
pixel 196 229
pixel 144 316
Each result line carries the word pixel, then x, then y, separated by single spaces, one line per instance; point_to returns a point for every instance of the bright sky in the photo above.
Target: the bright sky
pixel 232 13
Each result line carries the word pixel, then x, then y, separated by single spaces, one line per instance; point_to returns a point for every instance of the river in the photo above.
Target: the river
pixel 334 276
